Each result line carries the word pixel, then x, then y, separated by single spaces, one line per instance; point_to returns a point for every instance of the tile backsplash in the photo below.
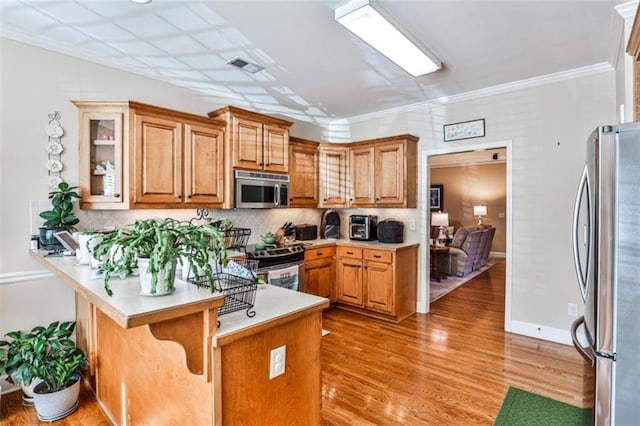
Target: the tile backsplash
pixel 260 221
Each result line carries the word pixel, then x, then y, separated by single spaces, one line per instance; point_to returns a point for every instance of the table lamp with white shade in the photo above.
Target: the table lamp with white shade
pixel 480 211
pixel 441 220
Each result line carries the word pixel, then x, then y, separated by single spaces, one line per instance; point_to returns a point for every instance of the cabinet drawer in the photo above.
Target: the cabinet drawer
pixel 353 252
pixel 319 253
pixel 378 255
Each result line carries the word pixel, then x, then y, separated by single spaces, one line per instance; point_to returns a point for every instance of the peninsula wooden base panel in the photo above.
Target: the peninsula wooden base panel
pixel 143 380
pixel 250 397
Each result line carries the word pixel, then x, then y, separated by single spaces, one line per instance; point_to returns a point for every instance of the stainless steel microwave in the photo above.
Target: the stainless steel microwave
pixel 257 190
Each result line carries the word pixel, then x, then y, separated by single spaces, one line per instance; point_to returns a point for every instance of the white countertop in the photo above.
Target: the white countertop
pixel 271 303
pixel 129 309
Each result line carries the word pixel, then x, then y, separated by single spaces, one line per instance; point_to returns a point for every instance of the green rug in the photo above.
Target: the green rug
pixel 522 408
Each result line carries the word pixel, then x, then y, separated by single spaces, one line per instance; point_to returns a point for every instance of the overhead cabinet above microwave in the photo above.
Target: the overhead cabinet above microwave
pixel 256 141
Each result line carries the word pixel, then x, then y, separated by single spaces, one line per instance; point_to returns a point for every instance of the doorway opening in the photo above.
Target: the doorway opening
pixel 465 177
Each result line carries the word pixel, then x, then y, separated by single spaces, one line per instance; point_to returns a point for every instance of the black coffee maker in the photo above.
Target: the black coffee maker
pixel 330 225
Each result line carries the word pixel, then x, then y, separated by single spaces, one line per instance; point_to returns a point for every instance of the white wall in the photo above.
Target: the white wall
pixel 548 125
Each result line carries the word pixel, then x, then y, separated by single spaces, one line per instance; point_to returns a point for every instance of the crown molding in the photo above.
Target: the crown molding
pixel 627 10
pixel 488 91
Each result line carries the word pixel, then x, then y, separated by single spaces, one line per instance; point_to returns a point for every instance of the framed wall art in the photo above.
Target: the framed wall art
pixel 464 130
pixel 436 194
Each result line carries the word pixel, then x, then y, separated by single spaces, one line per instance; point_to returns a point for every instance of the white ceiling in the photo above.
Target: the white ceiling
pixel 315 70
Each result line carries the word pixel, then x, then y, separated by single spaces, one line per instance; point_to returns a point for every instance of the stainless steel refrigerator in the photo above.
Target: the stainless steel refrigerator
pixel 606 245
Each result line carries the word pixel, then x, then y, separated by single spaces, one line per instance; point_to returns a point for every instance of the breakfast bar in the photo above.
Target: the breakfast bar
pixel 163 360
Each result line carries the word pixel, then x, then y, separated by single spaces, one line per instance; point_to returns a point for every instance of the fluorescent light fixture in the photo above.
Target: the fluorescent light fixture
pixel 359 17
pixel 141 1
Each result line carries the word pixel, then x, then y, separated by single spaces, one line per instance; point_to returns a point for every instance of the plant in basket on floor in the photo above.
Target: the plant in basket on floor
pixel 155 246
pixel 47 354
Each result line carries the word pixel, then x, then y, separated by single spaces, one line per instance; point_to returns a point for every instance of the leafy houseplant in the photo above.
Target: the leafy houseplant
pixel 163 243
pixel 60 217
pixel 46 353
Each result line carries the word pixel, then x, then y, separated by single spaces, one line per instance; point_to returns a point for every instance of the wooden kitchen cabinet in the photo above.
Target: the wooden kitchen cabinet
pixel 103 152
pixel 362 171
pixel 177 160
pixel 349 276
pixel 377 282
pixel 255 141
pixel 383 172
pixel 133 155
pixel 320 272
pixel 333 175
pixel 303 173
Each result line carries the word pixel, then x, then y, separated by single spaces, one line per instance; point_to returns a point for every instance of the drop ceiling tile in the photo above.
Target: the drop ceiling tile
pixel 185 18
pixel 70 13
pixel 215 39
pixel 105 31
pixel 178 45
pixel 147 26
pixel 161 62
pixel 28 19
pixel 207 61
pixel 66 35
pixel 136 48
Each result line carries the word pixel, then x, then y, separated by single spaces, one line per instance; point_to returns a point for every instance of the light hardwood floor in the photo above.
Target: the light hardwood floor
pixel 450 367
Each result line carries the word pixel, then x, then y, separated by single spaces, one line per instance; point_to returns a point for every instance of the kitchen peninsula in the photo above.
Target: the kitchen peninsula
pixel 163 360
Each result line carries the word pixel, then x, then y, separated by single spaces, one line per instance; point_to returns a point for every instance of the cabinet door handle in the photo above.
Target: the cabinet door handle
pixel 189 196
pixel 116 195
pixel 377 256
pixel 178 196
pixel 350 252
pixel 318 253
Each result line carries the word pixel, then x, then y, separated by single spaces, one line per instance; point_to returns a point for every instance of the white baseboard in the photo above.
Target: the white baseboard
pixel 543 332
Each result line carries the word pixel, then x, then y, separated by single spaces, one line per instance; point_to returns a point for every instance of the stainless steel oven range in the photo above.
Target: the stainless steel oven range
pixel 281 266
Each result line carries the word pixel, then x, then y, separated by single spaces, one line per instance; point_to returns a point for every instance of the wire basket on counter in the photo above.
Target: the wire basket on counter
pixel 236 281
pixel 236 238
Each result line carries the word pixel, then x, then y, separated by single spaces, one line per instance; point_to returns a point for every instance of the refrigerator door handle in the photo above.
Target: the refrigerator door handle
pixel 582 271
pixel 586 351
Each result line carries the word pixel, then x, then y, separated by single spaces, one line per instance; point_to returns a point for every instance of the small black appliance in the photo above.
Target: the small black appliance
pixel 390 231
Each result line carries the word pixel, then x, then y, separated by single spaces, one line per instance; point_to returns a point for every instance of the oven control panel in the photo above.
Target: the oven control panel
pixel 276 252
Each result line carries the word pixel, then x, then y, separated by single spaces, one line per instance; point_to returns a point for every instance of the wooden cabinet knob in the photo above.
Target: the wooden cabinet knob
pixel 179 196
pixel 189 196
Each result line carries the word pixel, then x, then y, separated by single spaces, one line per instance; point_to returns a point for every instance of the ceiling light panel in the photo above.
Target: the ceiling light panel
pixel 359 17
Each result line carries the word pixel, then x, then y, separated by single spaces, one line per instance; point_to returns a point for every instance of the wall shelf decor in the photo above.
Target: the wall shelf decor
pixel 54 164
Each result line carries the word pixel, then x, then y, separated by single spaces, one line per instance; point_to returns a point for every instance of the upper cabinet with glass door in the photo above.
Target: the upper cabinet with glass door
pixel 102 145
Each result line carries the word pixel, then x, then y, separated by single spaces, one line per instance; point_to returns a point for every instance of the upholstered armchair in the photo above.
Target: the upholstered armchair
pixel 462 252
pixel 485 247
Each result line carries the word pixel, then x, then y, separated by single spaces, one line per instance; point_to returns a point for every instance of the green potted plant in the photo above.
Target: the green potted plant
pixel 47 354
pixel 155 246
pixel 60 217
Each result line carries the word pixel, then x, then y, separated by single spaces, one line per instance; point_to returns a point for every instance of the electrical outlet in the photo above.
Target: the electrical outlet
pixel 412 225
pixel 278 360
pixel 500 215
pixel 573 310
